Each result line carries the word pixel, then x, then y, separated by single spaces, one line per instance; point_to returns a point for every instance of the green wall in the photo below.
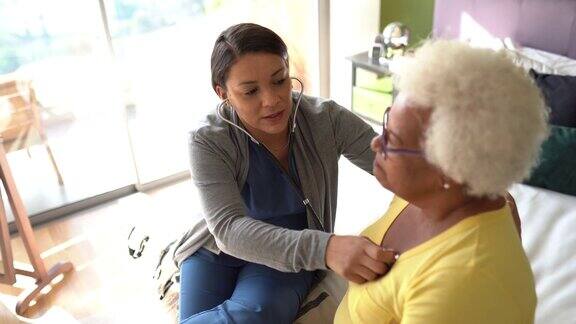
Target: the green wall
pixel 416 14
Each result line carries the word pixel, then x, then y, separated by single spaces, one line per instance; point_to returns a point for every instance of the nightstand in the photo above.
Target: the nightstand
pixel 372 87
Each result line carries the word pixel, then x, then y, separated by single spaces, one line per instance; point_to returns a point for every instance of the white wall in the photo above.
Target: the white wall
pixel 353 27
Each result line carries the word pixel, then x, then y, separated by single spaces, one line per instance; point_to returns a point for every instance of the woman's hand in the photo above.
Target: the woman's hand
pixel 358 259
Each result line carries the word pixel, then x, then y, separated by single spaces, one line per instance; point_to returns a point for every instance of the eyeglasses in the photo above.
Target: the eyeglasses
pixel 385 149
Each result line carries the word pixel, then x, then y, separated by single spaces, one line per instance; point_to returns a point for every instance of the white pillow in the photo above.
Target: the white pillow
pixel 528 58
pixel 542 61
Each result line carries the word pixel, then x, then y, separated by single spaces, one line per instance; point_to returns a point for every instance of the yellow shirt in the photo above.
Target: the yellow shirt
pixel 474 272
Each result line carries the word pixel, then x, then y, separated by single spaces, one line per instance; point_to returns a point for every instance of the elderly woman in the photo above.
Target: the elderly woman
pixel 465 126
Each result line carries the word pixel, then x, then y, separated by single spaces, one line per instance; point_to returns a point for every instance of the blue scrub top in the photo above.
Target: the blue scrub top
pixel 268 193
pixel 269 196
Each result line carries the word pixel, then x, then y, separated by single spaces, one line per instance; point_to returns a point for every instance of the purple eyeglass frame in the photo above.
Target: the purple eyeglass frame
pixel 385 149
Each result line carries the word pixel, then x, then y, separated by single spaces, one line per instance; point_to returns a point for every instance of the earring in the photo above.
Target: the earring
pixel 446 186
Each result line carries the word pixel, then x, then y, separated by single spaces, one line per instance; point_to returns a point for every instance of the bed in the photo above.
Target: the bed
pixel 549 239
pixel 543 31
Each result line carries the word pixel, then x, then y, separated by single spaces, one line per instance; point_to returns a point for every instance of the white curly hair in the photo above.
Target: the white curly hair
pixel 488 118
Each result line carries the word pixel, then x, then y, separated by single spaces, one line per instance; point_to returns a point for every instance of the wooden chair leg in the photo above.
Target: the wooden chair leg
pixel 43 277
pixel 54 165
pixel 40 130
pixel 8 275
pixel 26 298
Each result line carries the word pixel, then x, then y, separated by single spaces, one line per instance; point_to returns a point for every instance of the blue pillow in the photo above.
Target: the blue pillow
pixel 557 168
pixel 560 95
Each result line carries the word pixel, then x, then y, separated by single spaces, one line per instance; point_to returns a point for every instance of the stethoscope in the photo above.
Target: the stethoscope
pixel 305 200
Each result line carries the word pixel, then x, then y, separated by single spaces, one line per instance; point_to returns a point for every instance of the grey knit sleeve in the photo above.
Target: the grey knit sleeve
pixel 238 234
pixel 353 136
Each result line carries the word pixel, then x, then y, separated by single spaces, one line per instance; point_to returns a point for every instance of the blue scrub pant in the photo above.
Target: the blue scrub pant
pixel 223 289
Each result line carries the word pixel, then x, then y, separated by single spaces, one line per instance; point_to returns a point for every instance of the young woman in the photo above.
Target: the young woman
pixel 266 165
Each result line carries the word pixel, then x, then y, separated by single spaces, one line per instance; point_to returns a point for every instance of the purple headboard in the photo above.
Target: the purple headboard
pixel 548 25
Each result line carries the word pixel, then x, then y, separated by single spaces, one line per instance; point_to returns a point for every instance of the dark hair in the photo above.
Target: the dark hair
pixel 238 40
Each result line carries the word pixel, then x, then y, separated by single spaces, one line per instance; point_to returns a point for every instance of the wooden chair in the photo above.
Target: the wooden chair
pixel 20 123
pixel 8 274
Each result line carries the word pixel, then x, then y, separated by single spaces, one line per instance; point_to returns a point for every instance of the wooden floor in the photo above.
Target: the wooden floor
pixel 107 285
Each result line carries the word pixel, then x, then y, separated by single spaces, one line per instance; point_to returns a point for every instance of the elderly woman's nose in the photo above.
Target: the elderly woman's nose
pixel 376 143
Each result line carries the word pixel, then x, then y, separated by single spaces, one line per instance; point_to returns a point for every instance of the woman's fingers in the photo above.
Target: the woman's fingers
pixel 356 279
pixel 366 273
pixel 357 258
pixel 378 267
pixel 380 254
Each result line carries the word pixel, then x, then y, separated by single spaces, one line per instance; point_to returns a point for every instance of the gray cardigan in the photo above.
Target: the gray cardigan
pixel 219 167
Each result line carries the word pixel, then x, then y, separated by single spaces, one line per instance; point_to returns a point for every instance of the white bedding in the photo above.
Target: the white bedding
pixel 526 57
pixel 543 62
pixel 549 239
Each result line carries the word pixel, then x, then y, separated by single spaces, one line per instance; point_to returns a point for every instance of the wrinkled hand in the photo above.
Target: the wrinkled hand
pixel 358 259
